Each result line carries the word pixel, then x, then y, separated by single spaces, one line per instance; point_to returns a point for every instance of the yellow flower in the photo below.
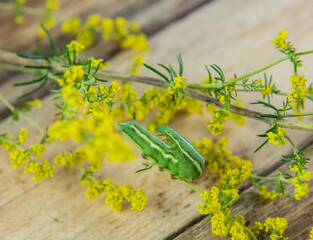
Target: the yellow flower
pixel 37 150
pixel 72 96
pixel 179 84
pixel 266 90
pixel 94 191
pixel 280 40
pixel 75 46
pixel 211 203
pixel 70 160
pixel 216 128
pixel 277 138
pixel 86 38
pixel 52 5
pixel 41 171
pixel 72 26
pixel 93 21
pixel 19 157
pixel 266 194
pixel 301 189
pixel 22 137
pixel 276 225
pixel 137 62
pixel 138 200
pixel 35 103
pixel 19 19
pixel 107 27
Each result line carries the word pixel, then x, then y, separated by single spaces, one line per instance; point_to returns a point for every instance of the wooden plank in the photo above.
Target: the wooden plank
pixel 56 208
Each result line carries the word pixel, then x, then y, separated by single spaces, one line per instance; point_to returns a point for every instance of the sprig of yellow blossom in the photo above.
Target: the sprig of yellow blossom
pixel 127 34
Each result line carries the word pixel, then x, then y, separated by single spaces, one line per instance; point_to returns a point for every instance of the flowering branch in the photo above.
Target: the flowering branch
pixel 110 75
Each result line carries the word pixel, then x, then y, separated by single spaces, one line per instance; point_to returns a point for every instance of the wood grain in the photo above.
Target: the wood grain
pixel 234 34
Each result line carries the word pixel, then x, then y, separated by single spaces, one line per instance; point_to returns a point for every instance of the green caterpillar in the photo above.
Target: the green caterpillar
pixel 179 157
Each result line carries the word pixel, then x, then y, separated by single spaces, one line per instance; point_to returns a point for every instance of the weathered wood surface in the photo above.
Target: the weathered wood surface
pixel 233 34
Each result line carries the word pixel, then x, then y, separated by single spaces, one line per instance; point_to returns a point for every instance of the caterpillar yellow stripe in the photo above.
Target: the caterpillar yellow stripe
pixel 179 156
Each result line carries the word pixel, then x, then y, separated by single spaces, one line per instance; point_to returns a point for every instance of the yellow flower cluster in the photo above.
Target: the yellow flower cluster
pixel 280 40
pixel 211 203
pixel 276 226
pixel 267 195
pixel 95 62
pixel 266 90
pixel 177 86
pixel 97 134
pixel 17 11
pixel 20 157
pixel 48 21
pixel 297 96
pixel 115 195
pixel 137 62
pixel 221 223
pixel 127 34
pixel 74 47
pixel 277 136
pixel 69 160
pixel 41 170
pixel 35 103
pixel 22 137
pixel 166 103
pixel 216 127
pixel 232 169
pixel 301 188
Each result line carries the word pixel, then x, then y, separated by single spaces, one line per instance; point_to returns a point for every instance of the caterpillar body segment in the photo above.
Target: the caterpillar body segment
pixel 191 162
pixel 180 158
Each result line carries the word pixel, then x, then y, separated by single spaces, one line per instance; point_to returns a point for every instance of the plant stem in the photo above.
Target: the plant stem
pixel 208 85
pixel 111 76
pixel 12 67
pixel 271 178
pixel 192 186
pixel 90 176
pixel 294 147
pixel 9 106
pixel 245 228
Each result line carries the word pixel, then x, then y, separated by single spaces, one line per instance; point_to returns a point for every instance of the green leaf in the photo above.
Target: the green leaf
pixel 30 56
pixel 36 67
pixel 30 82
pixel 261 146
pixel 34 90
pixel 50 40
pixel 268 115
pixel 157 72
pixel 180 63
pixel 168 70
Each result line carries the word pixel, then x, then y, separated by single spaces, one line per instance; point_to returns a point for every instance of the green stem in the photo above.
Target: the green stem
pixel 298 114
pixel 242 183
pixel 271 178
pixel 208 85
pixel 192 186
pixel 9 106
pixel 245 228
pixel 91 177
pixel 294 147
pixel 12 67
pixel 304 53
